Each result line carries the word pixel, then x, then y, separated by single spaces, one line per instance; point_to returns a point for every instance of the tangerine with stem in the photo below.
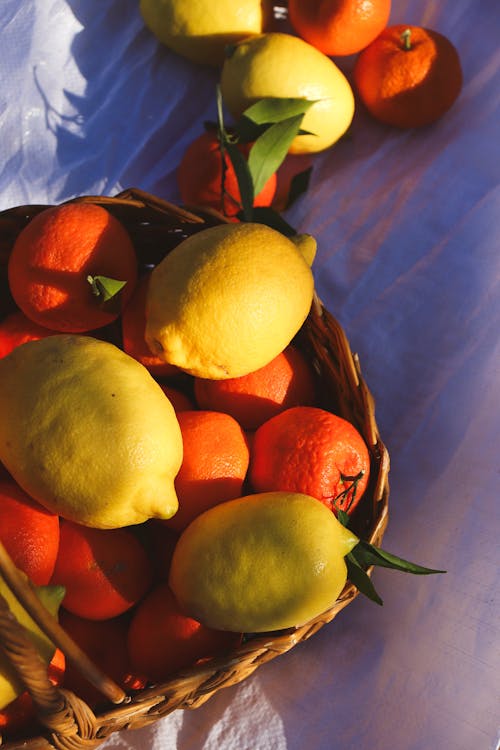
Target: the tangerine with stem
pixel 309 450
pixel 408 77
pixel 64 263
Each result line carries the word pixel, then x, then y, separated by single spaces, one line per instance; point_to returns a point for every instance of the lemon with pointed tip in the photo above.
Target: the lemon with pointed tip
pixel 282 65
pixel 307 245
pixel 88 432
pixel 228 299
pixel 50 596
pixel 263 562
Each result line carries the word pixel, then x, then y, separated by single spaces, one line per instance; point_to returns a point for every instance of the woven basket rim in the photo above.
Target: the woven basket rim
pixel 65 716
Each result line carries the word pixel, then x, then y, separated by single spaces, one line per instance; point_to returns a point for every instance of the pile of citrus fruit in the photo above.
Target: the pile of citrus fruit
pixel 170 482
pixel 405 76
pixel 170 478
pixel 112 450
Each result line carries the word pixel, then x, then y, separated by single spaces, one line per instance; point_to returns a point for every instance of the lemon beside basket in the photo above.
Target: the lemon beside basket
pixel 65 720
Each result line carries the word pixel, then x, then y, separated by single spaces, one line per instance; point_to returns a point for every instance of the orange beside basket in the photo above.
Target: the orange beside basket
pixel 63 719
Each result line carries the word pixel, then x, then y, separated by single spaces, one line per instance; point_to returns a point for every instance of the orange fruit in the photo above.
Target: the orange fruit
pixel 214 466
pixel 409 76
pixel 19 716
pixel 105 643
pixel 105 571
pixel 29 532
pixel 133 321
pixel 199 177
pixel 252 399
pixel 177 398
pixel 54 255
pixel 162 640
pixel 310 450
pixel 339 27
pixel 17 329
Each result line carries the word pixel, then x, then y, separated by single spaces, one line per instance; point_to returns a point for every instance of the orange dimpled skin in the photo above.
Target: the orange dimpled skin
pixel 162 640
pixel 214 467
pixel 409 76
pixel 105 571
pixel 54 255
pixel 312 451
pixel 339 27
pixel 29 532
pixel 252 399
pixel 17 329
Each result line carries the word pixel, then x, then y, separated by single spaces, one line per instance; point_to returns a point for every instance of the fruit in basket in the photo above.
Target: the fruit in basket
pixel 163 640
pixel 50 596
pixel 227 300
pixel 287 380
pixel 215 463
pixel 266 66
pixel 29 532
pixel 307 246
pixel 200 30
pixel 87 432
pixel 339 27
pixel 104 571
pixel 262 562
pixel 105 642
pixel 72 268
pixel 21 712
pixel 200 177
pixel 310 450
pixel 17 329
pixel 408 76
pixel 133 324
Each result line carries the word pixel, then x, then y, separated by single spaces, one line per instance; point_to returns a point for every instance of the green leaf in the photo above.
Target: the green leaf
pixel 247 131
pixel 343 518
pixel 360 578
pixel 298 186
pixel 367 554
pixel 269 150
pixel 277 109
pixel 104 287
pixel 270 217
pixel 244 177
pixel 260 116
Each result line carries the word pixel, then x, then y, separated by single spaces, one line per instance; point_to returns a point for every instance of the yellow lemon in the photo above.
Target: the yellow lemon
pixel 87 432
pixel 282 65
pixel 51 597
pixel 227 300
pixel 200 29
pixel 263 562
pixel 307 246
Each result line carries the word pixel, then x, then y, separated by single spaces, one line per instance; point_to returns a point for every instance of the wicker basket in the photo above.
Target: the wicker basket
pixel 66 721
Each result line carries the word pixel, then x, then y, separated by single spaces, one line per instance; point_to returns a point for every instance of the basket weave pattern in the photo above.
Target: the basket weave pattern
pixel 65 721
